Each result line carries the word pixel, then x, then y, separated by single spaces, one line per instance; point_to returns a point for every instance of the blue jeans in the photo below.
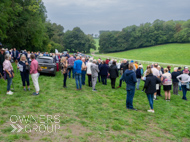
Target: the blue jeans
pixel 120 81
pixel 78 80
pixel 83 77
pixel 150 99
pixel 129 100
pixel 138 83
pixel 184 89
pixel 9 82
pixel 71 69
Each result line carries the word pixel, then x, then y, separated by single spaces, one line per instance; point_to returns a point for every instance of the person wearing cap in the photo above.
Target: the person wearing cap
pixel 134 68
pixel 184 79
pixel 2 59
pixel 175 81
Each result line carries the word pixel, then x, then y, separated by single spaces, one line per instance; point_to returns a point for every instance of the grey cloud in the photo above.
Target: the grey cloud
pixel 95 15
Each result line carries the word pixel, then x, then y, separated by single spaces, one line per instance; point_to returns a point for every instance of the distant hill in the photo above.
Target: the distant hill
pixel 168 53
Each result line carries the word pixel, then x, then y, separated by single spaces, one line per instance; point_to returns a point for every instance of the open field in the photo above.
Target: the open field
pixel 96 44
pixel 169 53
pixel 92 116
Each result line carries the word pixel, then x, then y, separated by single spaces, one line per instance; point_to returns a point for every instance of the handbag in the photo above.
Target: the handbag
pixel 39 68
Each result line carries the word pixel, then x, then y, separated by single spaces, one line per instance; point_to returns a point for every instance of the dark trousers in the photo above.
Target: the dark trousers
pixel 184 89
pixel 83 77
pixel 158 91
pixel 99 76
pixel 104 79
pixel 71 69
pixel 64 80
pixel 1 70
pixel 150 99
pixel 175 88
pixel 25 78
pixel 89 80
pixel 120 81
pixel 113 82
pixel 129 100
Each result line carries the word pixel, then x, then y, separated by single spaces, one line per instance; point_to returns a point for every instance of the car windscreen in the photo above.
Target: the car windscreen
pixel 45 60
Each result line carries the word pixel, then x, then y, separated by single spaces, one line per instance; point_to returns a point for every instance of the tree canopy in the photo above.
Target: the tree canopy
pixel 148 34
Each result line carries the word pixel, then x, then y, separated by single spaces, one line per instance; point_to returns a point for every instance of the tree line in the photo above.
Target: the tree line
pixel 24 25
pixel 148 34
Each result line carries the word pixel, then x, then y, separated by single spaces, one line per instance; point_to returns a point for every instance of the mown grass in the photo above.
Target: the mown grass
pixel 93 116
pixel 168 53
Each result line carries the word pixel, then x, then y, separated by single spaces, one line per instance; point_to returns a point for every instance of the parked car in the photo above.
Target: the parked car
pixel 47 64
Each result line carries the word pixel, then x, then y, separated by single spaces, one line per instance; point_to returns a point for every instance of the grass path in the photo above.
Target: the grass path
pixel 93 116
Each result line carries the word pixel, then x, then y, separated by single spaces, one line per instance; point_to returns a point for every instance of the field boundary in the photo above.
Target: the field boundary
pixel 143 62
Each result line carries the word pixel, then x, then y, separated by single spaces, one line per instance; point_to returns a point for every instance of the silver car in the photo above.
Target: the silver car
pixel 47 64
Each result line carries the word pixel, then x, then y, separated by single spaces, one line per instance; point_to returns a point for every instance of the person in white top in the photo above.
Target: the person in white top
pixel 167 83
pixel 156 73
pixel 88 72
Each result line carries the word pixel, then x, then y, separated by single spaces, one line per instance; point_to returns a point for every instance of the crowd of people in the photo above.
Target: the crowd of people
pixel 98 71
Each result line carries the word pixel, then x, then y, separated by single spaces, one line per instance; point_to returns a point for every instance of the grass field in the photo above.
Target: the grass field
pixel 92 116
pixel 97 46
pixel 169 53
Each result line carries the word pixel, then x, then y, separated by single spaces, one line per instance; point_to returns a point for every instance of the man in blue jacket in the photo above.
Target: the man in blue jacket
pixel 78 70
pixel 15 54
pixel 130 79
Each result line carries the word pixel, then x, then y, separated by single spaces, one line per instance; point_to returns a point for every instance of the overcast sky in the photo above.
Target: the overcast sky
pixel 95 15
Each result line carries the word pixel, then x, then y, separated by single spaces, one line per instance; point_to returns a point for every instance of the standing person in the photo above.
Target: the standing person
pixel 175 81
pixel 78 70
pixel 8 73
pixel 167 84
pixel 159 89
pixel 169 69
pixel 124 67
pixel 136 65
pixel 95 71
pixel 104 72
pixel 34 73
pixel 139 74
pixel 113 71
pixel 83 71
pixel 99 64
pixel 134 68
pixel 56 59
pixel 71 61
pixel 88 65
pixel 15 54
pixel 130 79
pixel 150 86
pixel 156 73
pixel 184 79
pixel 2 59
pixel 180 72
pixel 23 66
pixel 64 65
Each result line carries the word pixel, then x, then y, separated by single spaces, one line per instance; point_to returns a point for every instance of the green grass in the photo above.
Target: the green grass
pixel 93 116
pixel 96 44
pixel 169 53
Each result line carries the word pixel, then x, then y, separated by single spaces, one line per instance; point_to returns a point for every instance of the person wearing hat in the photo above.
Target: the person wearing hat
pixel 184 79
pixel 2 59
pixel 134 68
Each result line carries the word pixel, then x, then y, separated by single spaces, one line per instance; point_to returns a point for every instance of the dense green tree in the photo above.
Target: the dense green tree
pixel 144 35
pixel 77 41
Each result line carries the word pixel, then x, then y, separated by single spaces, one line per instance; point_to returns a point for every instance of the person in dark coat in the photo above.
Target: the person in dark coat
pixel 130 78
pixel 99 64
pixel 23 66
pixel 150 86
pixel 15 54
pixel 113 71
pixel 104 72
pixel 2 59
